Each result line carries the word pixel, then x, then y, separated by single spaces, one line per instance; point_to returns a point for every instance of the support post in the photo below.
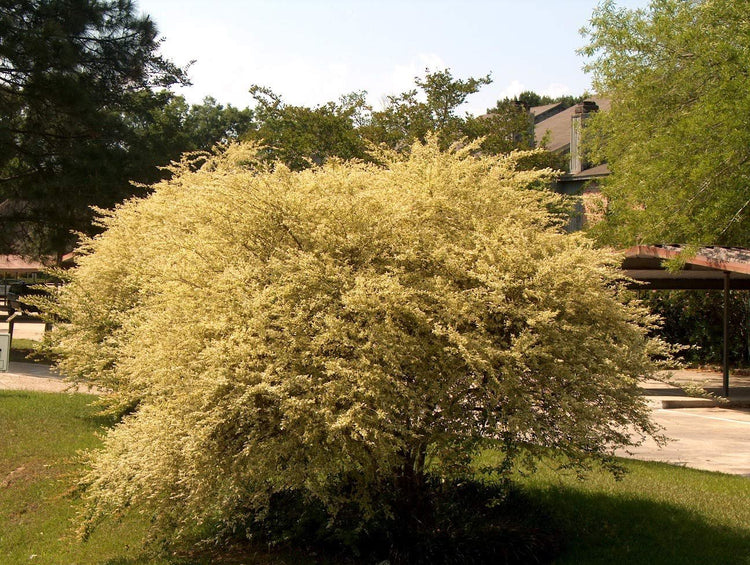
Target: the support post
pixel 725 361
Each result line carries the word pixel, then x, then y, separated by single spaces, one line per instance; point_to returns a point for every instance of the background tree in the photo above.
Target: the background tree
pixel 344 332
pixel 444 95
pixel 432 109
pixel 403 120
pixel 676 138
pixel 209 123
pixel 300 136
pixel 71 74
pixel 429 109
pixel 695 318
pixel 505 127
pixel 170 126
pixel 529 99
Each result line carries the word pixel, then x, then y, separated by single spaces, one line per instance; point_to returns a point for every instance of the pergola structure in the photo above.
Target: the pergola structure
pixel 15 266
pixel 18 267
pixel 709 268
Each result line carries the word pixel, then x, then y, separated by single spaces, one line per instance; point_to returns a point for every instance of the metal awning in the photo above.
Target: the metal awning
pixel 706 270
pixel 709 268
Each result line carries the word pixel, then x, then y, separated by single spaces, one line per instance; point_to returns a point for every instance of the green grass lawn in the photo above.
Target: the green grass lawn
pixel 24 344
pixel 40 435
pixel 658 514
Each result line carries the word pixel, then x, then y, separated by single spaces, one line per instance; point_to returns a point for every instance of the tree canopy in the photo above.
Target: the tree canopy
pixel 72 72
pixel 171 127
pixel 352 324
pixel 86 120
pixel 301 136
pixel 529 99
pixel 85 124
pixel 676 138
pixel 429 109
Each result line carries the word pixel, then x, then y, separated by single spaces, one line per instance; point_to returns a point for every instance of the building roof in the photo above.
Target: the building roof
pixel 592 173
pixel 537 110
pixel 558 127
pixel 541 113
pixel 18 265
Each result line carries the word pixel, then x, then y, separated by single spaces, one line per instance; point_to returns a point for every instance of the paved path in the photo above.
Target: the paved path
pixel 704 435
pixel 713 439
pixel 34 376
pixel 25 330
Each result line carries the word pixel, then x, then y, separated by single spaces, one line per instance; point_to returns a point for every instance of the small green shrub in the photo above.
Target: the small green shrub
pixel 695 318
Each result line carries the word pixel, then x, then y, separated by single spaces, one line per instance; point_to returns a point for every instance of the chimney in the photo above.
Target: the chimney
pixel 581 113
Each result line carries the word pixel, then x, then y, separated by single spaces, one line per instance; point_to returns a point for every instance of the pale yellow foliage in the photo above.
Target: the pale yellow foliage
pixel 279 330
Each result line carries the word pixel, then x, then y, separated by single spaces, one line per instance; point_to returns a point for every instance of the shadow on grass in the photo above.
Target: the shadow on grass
pixel 607 528
pixel 100 419
pixel 238 556
pixel 467 523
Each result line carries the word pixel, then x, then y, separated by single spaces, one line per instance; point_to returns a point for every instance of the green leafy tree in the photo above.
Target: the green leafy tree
pixel 300 136
pixel 71 72
pixel 170 127
pixel 343 331
pixel 209 123
pixel 429 109
pixel 445 94
pixel 509 126
pixel 403 120
pixel 676 138
pixel 695 318
pixel 529 99
pixel 432 109
pixel 505 127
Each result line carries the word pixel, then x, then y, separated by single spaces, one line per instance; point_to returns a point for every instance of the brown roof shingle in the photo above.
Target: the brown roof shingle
pixel 558 127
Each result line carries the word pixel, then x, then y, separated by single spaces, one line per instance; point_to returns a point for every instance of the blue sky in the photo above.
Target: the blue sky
pixel 313 51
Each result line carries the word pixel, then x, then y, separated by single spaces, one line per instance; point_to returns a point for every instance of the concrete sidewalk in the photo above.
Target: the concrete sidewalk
pixel 712 382
pixel 25 329
pixel 706 434
pixel 36 376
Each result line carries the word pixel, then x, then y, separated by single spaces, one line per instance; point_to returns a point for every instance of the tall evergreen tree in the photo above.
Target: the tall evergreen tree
pixel 73 73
